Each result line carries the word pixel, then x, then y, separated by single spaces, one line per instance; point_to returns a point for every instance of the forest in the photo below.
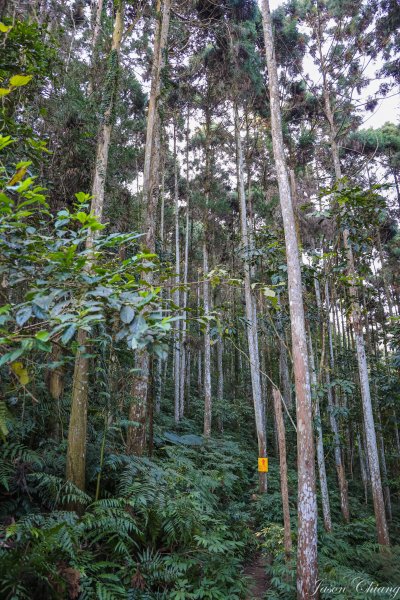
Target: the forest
pixel 199 299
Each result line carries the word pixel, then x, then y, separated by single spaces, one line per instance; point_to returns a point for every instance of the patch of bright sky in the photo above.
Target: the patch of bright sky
pixel 388 109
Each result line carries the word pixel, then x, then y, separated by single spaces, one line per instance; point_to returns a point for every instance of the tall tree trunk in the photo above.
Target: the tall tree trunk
pixel 206 287
pixel 363 467
pixel 283 361
pixel 176 295
pixel 396 433
pixel 307 564
pixel 76 450
pixel 386 489
pixel 251 315
pixel 220 382
pixel 280 426
pixel 386 283
pixel 326 509
pixel 356 320
pixel 199 352
pixel 185 281
pixel 158 386
pixel 137 411
pixel 56 388
pixel 159 362
pixel 97 13
pixel 207 345
pixel 343 487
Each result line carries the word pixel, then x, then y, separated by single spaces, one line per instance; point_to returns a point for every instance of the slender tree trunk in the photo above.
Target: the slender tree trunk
pixel 206 291
pixel 343 487
pixel 283 361
pixel 207 346
pixel 3 8
pixel 363 467
pixel 386 489
pixel 280 426
pixel 199 352
pixel 264 380
pixel 185 281
pixel 369 424
pixel 103 143
pixel 252 335
pixel 158 386
pixel 176 295
pixel 76 449
pixel 307 565
pixel 188 377
pixel 326 509
pixel 159 362
pixel 97 12
pixel 356 319
pixel 220 382
pixel 386 283
pixel 137 412
pixel 396 433
pixel 162 210
pixel 56 388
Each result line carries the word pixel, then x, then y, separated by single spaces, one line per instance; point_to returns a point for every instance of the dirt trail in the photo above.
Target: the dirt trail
pixel 258 578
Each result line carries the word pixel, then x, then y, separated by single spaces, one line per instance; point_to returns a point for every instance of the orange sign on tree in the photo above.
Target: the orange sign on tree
pixel 263 465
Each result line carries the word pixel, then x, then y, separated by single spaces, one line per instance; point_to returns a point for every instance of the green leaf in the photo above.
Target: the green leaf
pixel 25 185
pixel 82 197
pixel 43 336
pixel 5 140
pixel 4 91
pixel 68 333
pixel 127 314
pixel 20 80
pixel 11 356
pixel 23 315
pixel 5 28
pixel 82 217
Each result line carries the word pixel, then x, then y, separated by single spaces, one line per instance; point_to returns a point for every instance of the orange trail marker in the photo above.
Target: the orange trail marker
pixel 263 465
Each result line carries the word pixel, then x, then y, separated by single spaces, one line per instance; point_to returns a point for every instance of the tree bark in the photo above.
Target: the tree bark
pixel 363 467
pixel 220 382
pixel 341 475
pixel 369 424
pixel 56 388
pixel 176 294
pixel 307 565
pixel 137 412
pixel 97 10
pixel 386 489
pixel 184 352
pixel 206 291
pixel 326 509
pixel 356 320
pixel 207 345
pixel 280 425
pixel 283 361
pixel 76 449
pixel 251 315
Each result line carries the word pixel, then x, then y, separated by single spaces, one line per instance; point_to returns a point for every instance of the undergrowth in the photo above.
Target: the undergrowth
pixel 172 526
pixel 351 564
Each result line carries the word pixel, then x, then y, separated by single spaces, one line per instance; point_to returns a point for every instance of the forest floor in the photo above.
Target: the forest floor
pixel 258 577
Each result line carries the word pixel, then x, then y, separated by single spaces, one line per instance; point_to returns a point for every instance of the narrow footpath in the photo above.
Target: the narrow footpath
pixel 259 582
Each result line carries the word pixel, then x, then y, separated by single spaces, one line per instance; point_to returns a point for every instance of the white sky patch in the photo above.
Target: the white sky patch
pixel 388 108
